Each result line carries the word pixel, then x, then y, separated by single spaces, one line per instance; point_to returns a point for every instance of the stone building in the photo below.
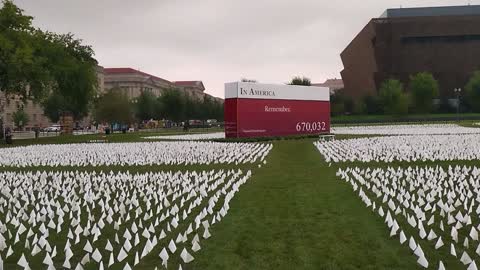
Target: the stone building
pixel 193 88
pixel 131 81
pixel 14 103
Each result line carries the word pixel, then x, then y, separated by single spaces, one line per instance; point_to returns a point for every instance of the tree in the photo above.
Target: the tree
pixel 297 80
pixel 114 107
pixel 173 103
pixel 208 108
pixel 159 109
pixel 35 64
pixel 218 111
pixel 372 105
pixel 393 99
pixel 423 88
pixel 52 107
pixel 473 91
pixel 348 104
pixel 73 70
pixel 193 108
pixel 337 102
pixel 23 69
pixel 146 106
pixel 20 118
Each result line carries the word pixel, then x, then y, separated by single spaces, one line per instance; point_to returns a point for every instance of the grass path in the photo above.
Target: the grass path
pixel 295 214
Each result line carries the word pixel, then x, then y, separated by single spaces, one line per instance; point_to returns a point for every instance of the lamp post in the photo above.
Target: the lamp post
pixel 457 93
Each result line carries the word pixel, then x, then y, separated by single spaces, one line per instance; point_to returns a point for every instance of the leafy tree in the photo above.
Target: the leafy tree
pixel 218 111
pixel 208 108
pixel 473 91
pixel 114 107
pixel 337 102
pixel 297 80
pixel 73 70
pixel 20 118
pixel 423 89
pixel 23 69
pixel 146 106
pixel 393 98
pixel 349 104
pixel 372 105
pixel 193 108
pixel 35 64
pixel 173 103
pixel 159 111
pixel 52 107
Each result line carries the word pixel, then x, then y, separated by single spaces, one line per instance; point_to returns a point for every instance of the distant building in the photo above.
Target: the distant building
pixel 133 82
pixel 444 41
pixel 193 88
pixel 332 84
pixel 101 79
pixel 14 103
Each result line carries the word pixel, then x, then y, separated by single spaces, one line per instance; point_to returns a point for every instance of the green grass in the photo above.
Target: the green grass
pixel 293 213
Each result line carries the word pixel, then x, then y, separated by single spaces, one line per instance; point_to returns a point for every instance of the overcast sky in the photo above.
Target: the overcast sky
pixel 217 41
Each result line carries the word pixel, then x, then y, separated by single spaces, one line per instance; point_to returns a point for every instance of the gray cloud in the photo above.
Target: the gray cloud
pixel 217 41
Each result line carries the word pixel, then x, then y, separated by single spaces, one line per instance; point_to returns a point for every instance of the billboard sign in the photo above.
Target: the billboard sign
pixel 262 110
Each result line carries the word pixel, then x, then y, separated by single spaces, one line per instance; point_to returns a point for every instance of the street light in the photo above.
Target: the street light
pixel 457 93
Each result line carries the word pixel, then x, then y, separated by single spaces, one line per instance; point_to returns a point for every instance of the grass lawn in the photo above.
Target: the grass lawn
pixel 294 213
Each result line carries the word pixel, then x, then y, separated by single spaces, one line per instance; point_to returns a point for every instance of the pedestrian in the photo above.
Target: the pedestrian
pixel 37 132
pixel 8 135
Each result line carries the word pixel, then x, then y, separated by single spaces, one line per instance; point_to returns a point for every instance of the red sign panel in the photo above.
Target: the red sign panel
pixel 260 117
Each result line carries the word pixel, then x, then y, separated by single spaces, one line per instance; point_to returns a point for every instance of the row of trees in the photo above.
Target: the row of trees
pixel 393 99
pixel 115 107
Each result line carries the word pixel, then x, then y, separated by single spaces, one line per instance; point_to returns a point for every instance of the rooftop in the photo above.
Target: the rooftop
pixel 432 11
pixel 130 71
pixel 194 84
pixel 331 83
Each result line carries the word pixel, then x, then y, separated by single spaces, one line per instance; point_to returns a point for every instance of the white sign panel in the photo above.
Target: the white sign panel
pixel 273 91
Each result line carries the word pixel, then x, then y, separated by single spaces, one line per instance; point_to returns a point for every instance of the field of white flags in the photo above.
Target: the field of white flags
pixel 402 148
pixel 433 211
pixel 189 137
pixel 414 129
pixel 134 154
pixel 77 220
